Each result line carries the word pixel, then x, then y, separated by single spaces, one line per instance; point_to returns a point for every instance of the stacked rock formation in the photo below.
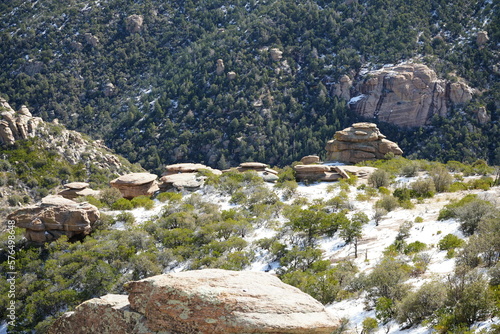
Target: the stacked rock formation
pixel 16 125
pixel 184 176
pixel 219 70
pixel 318 173
pixel 55 216
pixel 406 95
pixel 263 170
pixel 136 184
pixel 309 160
pixel 134 23
pixel 276 54
pixel 211 301
pixel 76 189
pixel 360 142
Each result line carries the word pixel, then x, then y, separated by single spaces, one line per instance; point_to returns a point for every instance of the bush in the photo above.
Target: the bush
pixel 415 247
pixel 388 203
pixel 379 178
pixel 14 200
pixel 369 325
pixel 122 204
pixel 109 195
pixel 450 241
pixel 126 217
pixel 142 202
pixel 423 188
pixel 169 196
pixel 442 179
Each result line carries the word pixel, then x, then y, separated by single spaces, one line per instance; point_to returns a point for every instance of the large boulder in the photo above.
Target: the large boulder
pixel 74 190
pixel 134 23
pixel 188 168
pixel 136 184
pixel 211 301
pixel 360 142
pixel 182 181
pixel 317 173
pixel 55 216
pixel 406 95
pixel 16 125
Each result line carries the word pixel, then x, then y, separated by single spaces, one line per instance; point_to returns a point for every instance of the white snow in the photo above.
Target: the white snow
pixel 356 99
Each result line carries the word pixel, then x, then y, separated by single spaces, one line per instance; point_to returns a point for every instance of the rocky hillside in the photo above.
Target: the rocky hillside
pixel 227 82
pixel 37 158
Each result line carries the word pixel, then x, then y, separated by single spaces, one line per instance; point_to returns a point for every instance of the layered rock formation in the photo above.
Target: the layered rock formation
pixel 219 67
pixel 73 190
pixel 361 141
pixel 326 173
pixel 276 54
pixel 55 216
pixel 309 159
pixel 263 170
pixel 184 176
pixel 406 95
pixel 16 125
pixel 210 301
pixel 136 184
pixel 134 23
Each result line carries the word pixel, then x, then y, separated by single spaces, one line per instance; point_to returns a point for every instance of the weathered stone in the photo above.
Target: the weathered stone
pixel 16 125
pixel 276 54
pixel 231 75
pixel 109 89
pixel 482 115
pixel 254 165
pixel 181 181
pixel 482 38
pixel 211 301
pixel 268 177
pixel 362 141
pixel 360 172
pixel 310 159
pixel 188 168
pixel 77 189
pixel 91 39
pixel 136 184
pixel 55 216
pixel 134 23
pixel 406 95
pixel 311 168
pixel 76 185
pixel 343 88
pixel 219 67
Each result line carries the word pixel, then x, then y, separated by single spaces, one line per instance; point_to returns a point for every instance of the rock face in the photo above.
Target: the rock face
pixel 276 54
pixel 310 159
pixel 184 176
pixel 361 141
pixel 16 125
pixel 317 173
pixel 76 189
pixel 55 216
pixel 188 168
pixel 219 70
pixel 136 184
pixel 343 88
pixel 210 301
pixel 406 95
pixel 134 23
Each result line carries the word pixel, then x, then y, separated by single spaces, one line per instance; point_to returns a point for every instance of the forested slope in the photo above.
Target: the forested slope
pixel 166 102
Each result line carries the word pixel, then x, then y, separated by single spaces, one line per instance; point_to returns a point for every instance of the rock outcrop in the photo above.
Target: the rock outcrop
pixel 211 301
pixel 482 38
pixel 309 160
pixel 327 173
pixel 16 125
pixel 136 184
pixel 263 170
pixel 74 190
pixel 219 67
pixel 231 75
pixel 184 176
pixel 276 54
pixel 55 216
pixel 134 23
pixel 406 95
pixel 343 88
pixel 361 141
pixel 91 39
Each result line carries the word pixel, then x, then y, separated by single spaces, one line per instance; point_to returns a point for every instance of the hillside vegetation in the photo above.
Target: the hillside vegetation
pixel 167 104
pixel 433 227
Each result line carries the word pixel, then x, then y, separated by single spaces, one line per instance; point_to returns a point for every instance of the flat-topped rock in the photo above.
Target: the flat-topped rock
pixel 136 184
pixel 182 181
pixel 54 216
pixel 310 159
pixel 210 301
pixel 253 165
pixel 76 185
pixel 135 179
pixel 188 168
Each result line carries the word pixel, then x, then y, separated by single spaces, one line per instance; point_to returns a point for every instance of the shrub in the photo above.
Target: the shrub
pixel 415 247
pixel 126 217
pixel 122 204
pixel 450 241
pixel 169 196
pixel 419 219
pixel 14 200
pixel 109 195
pixel 423 188
pixel 369 325
pixel 379 178
pixel 143 202
pixel 442 179
pixel 388 203
pixel 484 183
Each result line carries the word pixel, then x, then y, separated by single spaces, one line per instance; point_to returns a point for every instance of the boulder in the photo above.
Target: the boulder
pixel 482 38
pixel 219 70
pixel 231 75
pixel 77 189
pixel 361 141
pixel 182 181
pixel 16 125
pixel 210 301
pixel 136 184
pixel 343 88
pixel 482 115
pixel 276 54
pixel 134 23
pixel 109 89
pixel 55 216
pixel 91 39
pixel 188 168
pixel 310 159
pixel 406 95
pixel 316 173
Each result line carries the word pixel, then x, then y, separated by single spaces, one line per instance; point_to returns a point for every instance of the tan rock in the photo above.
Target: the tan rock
pixel 361 141
pixel 406 95
pixel 134 23
pixel 276 54
pixel 188 168
pixel 55 216
pixel 76 185
pixel 109 89
pixel 181 181
pixel 136 184
pixel 219 67
pixel 254 165
pixel 231 75
pixel 91 39
pixel 310 159
pixel 15 126
pixel 482 38
pixel 211 301
pixel 77 189
pixel 482 115
pixel 343 88
pixel 360 172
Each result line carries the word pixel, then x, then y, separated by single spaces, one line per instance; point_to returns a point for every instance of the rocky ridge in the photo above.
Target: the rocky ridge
pixel 406 95
pixel 206 301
